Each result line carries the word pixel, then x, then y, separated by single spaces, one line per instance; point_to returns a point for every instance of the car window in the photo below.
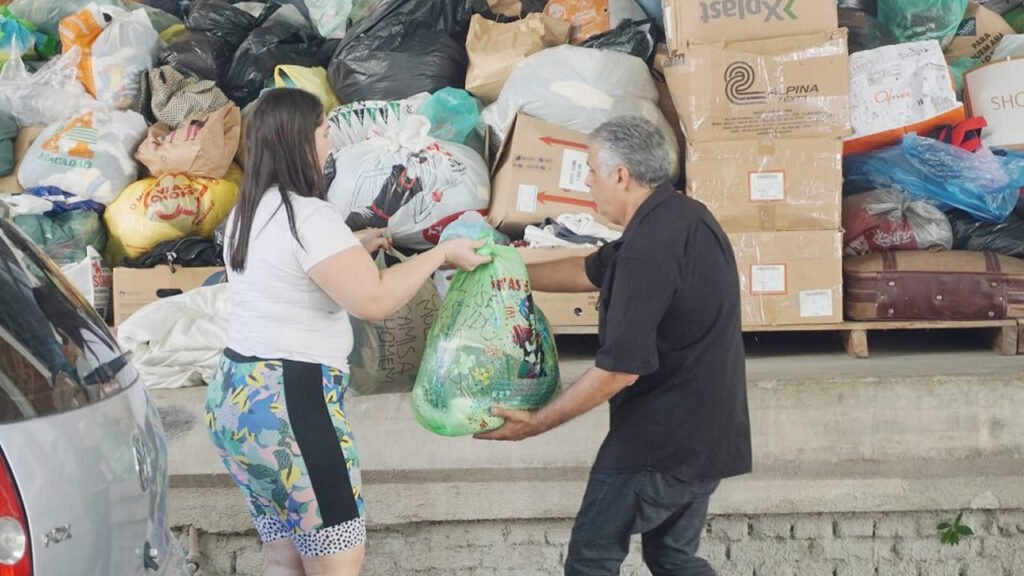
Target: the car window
pixel 56 353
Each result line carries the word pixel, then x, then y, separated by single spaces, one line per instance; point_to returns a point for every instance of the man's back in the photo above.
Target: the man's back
pixel 670 298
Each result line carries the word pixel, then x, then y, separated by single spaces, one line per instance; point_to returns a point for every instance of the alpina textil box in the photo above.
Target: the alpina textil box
pixel 794 87
pixel 689 21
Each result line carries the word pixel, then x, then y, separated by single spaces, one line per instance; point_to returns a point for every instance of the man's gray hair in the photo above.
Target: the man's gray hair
pixel 638 145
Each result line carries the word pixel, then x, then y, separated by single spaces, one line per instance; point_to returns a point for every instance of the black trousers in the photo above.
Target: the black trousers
pixel 670 514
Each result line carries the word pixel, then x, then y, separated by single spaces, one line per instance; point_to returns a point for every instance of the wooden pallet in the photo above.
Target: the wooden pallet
pixel 1007 335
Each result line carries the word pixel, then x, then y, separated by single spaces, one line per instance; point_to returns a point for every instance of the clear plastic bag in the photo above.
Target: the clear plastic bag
pixel 490 346
pixel 982 183
pixel 330 16
pixel 887 220
pixel 50 95
pixel 47 14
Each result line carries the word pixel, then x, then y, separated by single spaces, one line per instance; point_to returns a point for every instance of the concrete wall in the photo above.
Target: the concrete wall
pixel 895 544
pixel 852 473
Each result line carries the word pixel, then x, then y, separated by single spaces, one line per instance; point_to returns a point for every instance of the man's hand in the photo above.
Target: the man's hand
pixel 519 425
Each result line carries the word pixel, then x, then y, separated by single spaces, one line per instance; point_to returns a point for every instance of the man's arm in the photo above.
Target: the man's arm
pixel 594 388
pixel 569 275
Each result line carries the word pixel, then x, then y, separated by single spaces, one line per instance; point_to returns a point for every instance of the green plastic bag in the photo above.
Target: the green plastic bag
pixel 490 346
pixel 65 237
pixel 1015 18
pixel 454 115
pixel 914 20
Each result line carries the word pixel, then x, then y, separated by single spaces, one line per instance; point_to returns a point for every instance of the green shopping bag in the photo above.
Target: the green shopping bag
pixel 490 346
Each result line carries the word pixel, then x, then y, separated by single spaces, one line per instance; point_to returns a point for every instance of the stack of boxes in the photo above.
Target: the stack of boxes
pixel 762 91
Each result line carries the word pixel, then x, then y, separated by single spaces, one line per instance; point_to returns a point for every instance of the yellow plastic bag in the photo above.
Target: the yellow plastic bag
pixel 312 80
pixel 173 206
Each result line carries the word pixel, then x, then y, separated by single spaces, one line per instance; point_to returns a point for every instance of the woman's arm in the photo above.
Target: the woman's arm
pixel 352 279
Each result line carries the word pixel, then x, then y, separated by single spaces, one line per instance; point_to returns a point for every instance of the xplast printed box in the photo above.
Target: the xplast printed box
pixel 688 21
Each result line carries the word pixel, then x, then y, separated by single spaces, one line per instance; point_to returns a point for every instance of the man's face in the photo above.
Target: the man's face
pixel 607 189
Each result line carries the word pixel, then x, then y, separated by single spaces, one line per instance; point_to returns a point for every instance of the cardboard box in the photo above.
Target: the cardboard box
pixel 796 87
pixel 996 92
pixel 541 173
pixel 790 278
pixel 564 310
pixel 689 21
pixel 895 90
pixel 978 35
pixel 769 184
pixel 665 104
pixel 136 287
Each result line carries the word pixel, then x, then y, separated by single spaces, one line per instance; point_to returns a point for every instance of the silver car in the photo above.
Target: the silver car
pixel 83 459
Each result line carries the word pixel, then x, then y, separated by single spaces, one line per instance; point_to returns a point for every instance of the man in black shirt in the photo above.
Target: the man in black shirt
pixel 671 363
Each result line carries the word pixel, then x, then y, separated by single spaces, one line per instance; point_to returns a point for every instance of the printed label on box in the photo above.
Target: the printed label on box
pixel 768 279
pixel 574 171
pixel 767 186
pixel 527 199
pixel 815 303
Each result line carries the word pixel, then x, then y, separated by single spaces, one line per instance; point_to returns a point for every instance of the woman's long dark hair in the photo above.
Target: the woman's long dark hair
pixel 280 145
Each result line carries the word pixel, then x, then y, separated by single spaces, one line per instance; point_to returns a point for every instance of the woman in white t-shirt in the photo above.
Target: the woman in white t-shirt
pixel 275 410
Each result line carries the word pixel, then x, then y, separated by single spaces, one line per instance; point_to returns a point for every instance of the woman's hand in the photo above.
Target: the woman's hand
pixel 374 239
pixel 462 254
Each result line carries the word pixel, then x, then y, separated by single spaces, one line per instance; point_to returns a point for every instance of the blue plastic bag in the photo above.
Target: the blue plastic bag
pixel 984 184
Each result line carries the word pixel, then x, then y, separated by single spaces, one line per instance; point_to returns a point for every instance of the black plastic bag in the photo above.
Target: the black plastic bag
pixel 866 32
pixel 1005 238
pixel 425 61
pixel 221 20
pixel 869 7
pixel 198 55
pixel 630 37
pixel 190 252
pixel 403 48
pixel 273 44
pixel 527 7
pixel 172 7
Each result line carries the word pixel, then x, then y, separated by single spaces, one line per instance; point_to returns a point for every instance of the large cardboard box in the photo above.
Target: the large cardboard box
pixel 769 184
pixel 541 173
pixel 978 35
pixel 996 92
pixel 564 310
pixel 665 104
pixel 790 278
pixel 136 287
pixel 795 87
pixel 689 21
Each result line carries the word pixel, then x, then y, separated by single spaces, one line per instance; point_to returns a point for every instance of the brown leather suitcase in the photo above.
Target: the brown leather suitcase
pixel 934 286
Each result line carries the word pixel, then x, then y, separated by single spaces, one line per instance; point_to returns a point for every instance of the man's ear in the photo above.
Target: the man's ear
pixel 622 177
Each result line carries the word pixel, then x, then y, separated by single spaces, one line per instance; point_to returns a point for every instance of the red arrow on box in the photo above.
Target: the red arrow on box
pixel 545 198
pixel 551 141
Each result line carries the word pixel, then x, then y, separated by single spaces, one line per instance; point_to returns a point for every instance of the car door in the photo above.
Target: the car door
pixel 82 441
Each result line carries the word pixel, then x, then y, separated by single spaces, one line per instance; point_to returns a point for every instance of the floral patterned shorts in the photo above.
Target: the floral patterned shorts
pixel 300 476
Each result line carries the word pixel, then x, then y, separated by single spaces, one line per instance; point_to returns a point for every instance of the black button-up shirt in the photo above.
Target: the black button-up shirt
pixel 670 313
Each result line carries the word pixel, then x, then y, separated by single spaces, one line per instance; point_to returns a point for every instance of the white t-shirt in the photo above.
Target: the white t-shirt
pixel 277 311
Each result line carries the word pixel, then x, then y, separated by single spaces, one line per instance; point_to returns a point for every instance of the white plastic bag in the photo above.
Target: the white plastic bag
pixel 47 14
pixel 580 89
pixel 52 94
pixel 410 183
pixel 92 279
pixel 353 123
pixel 90 155
pixel 126 50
